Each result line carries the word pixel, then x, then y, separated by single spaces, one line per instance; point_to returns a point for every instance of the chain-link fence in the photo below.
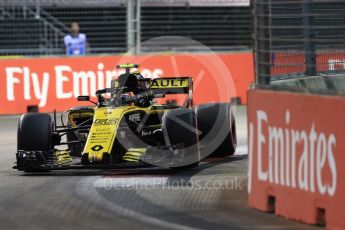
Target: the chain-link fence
pixel 219 28
pixel 37 27
pixel 299 40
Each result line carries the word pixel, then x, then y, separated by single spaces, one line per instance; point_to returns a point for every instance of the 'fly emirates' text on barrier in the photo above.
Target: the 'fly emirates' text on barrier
pixel 84 82
pixel 296 158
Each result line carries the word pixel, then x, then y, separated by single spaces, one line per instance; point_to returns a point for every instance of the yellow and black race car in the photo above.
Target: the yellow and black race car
pixel 127 126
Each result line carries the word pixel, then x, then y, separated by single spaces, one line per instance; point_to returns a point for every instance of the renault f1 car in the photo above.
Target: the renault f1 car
pixel 126 126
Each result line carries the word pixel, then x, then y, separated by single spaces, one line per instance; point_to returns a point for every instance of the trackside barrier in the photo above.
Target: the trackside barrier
pixel 51 83
pixel 292 63
pixel 297 156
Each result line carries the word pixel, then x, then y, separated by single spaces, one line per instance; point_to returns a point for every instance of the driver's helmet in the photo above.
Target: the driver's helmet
pixel 143 83
pixel 128 82
pixel 133 82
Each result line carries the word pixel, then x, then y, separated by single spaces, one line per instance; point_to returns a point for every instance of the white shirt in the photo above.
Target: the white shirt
pixel 75 45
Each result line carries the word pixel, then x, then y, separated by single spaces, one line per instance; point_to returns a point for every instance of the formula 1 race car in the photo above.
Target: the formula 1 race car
pixel 127 126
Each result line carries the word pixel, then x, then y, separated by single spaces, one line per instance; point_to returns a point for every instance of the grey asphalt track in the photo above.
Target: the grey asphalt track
pixel 213 196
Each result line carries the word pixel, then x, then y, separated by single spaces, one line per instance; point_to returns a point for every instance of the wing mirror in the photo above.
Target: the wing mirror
pixel 83 98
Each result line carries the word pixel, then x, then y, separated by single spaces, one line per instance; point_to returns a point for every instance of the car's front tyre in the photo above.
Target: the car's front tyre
pixel 34 135
pixel 179 128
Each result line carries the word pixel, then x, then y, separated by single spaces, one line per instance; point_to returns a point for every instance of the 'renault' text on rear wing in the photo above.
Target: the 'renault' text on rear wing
pixel 179 85
pixel 166 85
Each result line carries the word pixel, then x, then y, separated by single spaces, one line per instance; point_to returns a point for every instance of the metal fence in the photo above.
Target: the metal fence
pixel 220 28
pixel 37 27
pixel 298 40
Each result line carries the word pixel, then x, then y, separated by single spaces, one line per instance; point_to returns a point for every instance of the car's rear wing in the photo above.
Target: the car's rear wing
pixel 176 85
pixel 166 85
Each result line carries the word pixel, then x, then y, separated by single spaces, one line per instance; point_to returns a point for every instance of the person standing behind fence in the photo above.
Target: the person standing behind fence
pixel 75 42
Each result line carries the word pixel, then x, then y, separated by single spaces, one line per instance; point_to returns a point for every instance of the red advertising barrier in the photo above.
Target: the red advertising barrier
pixel 54 83
pixel 296 156
pixel 290 63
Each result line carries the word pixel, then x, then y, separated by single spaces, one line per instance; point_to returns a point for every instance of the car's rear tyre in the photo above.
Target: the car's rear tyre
pixel 34 134
pixel 217 128
pixel 179 128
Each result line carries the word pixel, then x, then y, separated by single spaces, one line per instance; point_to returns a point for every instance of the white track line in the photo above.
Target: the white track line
pixel 241 150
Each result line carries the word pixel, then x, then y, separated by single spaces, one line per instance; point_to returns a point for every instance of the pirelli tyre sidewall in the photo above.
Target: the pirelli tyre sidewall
pixel 217 129
pixel 34 134
pixel 179 127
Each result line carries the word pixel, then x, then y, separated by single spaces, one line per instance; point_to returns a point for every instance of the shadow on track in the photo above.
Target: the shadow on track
pixel 139 171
